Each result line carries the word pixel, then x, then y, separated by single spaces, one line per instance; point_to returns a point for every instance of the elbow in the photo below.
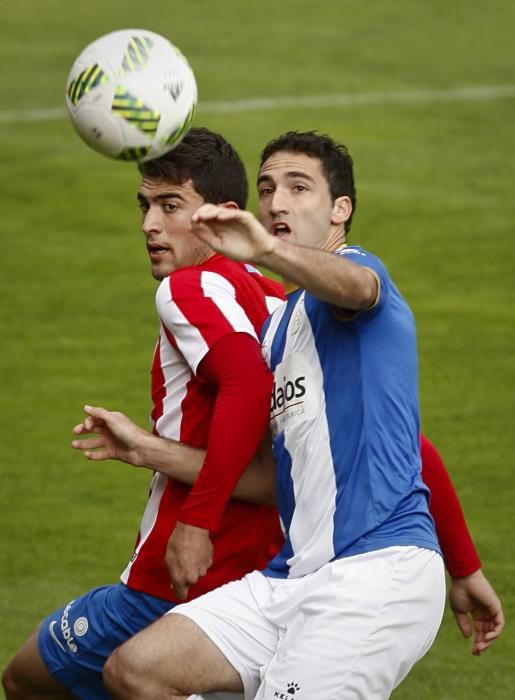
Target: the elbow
pixel 370 293
pixel 365 291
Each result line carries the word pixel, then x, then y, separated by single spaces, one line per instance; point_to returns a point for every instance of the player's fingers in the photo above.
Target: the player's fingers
pixel 492 634
pixel 79 429
pixel 97 412
pixel 464 624
pixel 97 455
pixel 206 212
pixel 498 621
pixel 203 232
pixel 88 443
pixel 229 214
pixel 92 424
pixel 480 646
pixel 180 589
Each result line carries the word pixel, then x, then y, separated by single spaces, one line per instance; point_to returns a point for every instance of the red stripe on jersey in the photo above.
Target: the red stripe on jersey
pixel 158 385
pixel 170 338
pixel 200 311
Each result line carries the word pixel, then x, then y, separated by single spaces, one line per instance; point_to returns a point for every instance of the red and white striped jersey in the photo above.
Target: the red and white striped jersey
pixel 197 307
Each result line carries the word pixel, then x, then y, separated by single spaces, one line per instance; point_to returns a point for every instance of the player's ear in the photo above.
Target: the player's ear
pixel 230 205
pixel 342 210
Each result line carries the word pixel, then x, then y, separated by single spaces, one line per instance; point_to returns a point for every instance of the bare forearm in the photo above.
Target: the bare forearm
pixel 176 460
pixel 182 462
pixel 112 435
pixel 329 277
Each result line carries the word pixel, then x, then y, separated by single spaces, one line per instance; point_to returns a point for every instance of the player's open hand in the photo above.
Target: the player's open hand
pixel 477 610
pixel 188 556
pixel 112 436
pixel 232 232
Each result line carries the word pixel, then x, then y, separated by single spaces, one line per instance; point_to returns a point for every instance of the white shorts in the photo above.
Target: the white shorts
pixel 352 629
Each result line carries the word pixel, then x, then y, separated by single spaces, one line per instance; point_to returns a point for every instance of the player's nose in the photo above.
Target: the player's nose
pixel 278 202
pixel 151 222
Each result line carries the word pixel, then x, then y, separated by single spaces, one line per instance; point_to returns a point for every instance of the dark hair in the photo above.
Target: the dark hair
pixel 209 161
pixel 335 158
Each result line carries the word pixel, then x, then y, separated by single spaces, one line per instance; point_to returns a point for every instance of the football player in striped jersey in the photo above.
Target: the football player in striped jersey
pixel 210 389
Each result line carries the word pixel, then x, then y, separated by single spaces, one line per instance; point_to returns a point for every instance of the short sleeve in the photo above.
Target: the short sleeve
pixel 362 257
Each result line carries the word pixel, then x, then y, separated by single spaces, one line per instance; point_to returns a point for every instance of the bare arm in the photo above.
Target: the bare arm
pixel 327 276
pixel 239 235
pixel 112 435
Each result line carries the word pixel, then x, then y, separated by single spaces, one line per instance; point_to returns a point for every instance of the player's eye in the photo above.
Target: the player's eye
pixel 143 206
pixel 265 191
pixel 169 207
pixel 300 188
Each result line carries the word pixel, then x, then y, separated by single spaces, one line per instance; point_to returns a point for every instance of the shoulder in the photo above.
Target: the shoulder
pixel 363 257
pixel 199 282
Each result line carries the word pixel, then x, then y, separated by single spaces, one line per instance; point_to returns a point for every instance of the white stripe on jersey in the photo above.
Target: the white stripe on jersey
pixel 189 339
pixel 273 324
pixel 148 521
pixel 313 471
pixel 273 303
pixel 176 375
pixel 223 294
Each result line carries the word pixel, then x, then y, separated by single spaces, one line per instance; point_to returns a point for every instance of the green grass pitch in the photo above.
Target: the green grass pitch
pixel 423 94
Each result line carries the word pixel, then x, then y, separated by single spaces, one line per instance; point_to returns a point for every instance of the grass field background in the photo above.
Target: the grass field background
pixel 436 177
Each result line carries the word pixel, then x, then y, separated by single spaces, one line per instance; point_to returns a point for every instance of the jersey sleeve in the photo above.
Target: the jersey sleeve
pixel 235 369
pixel 460 555
pixel 362 257
pixel 197 308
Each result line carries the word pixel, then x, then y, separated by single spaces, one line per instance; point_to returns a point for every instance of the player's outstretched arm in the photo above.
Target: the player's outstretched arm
pixel 239 235
pixel 112 435
pixel 115 436
pixel 477 609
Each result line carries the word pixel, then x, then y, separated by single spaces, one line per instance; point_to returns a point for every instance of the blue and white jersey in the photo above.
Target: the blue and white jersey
pixel 346 427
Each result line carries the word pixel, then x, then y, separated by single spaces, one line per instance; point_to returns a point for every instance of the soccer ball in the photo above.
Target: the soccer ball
pixel 131 95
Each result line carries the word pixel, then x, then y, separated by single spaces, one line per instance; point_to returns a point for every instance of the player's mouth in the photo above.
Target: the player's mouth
pixel 156 250
pixel 280 229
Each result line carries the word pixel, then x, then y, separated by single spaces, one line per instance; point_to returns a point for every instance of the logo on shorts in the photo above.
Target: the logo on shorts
pixel 65 629
pixel 80 626
pixel 292 689
pixel 52 633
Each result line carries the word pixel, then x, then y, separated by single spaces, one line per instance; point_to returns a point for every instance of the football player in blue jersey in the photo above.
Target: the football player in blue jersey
pixel 356 595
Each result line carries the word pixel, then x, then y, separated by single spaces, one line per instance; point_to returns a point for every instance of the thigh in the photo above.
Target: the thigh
pixel 360 625
pixel 173 657
pixel 28 676
pixel 76 640
pixel 217 642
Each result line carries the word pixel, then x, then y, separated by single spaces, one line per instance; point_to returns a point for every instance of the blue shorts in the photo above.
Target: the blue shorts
pixel 76 640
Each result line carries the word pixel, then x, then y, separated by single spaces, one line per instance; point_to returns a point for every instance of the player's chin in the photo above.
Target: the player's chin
pixel 160 271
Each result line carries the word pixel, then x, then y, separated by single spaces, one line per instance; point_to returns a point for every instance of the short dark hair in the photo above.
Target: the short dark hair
pixel 335 158
pixel 209 161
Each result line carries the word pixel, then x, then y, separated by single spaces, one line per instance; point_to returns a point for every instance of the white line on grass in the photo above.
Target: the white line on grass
pixel 258 104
